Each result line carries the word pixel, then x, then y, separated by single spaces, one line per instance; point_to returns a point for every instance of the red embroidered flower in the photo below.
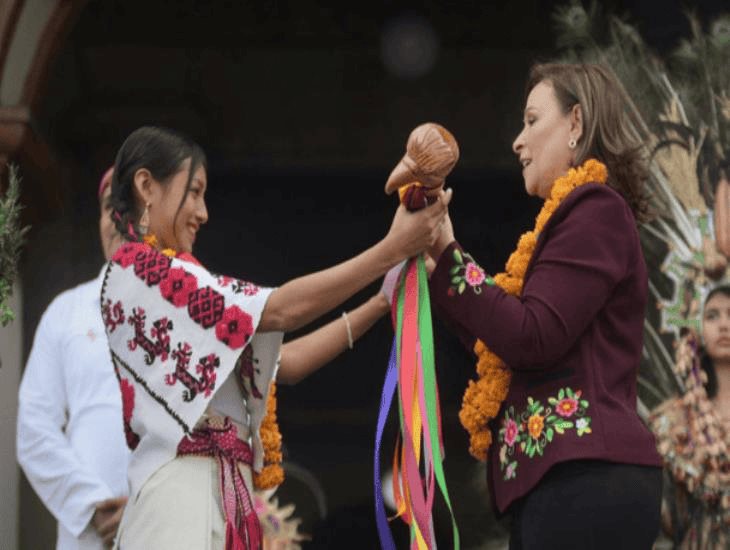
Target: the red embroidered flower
pixel 127 253
pixel 177 286
pixel 235 327
pixel 566 407
pixel 510 432
pixel 127 411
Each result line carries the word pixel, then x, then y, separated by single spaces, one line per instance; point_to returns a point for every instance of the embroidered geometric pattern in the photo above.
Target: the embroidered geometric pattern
pixel 119 362
pixel 205 368
pixel 158 344
pixel 113 316
pixel 466 272
pixel 248 289
pixel 238 286
pixel 205 306
pixel 151 268
pixel 529 432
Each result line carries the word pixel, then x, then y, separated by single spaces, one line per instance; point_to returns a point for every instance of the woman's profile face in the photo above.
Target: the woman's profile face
pixel 177 229
pixel 716 327
pixel 542 145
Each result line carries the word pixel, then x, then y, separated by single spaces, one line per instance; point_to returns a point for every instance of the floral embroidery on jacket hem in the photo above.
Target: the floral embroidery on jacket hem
pixel 531 431
pixel 466 272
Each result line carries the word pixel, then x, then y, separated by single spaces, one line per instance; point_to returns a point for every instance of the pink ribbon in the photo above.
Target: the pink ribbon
pixel 243 530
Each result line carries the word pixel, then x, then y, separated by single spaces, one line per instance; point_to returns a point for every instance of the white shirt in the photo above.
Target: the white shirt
pixel 71 442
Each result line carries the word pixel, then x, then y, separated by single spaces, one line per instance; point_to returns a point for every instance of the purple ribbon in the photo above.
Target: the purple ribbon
pixel 386 399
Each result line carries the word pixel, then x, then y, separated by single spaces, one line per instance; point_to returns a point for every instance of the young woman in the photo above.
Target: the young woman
pixel 693 436
pixel 196 353
pixel 559 335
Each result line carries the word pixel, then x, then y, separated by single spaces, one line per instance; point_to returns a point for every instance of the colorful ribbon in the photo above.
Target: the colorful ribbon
pixel 411 370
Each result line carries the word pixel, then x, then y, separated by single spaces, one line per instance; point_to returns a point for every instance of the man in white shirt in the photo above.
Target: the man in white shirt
pixel 71 442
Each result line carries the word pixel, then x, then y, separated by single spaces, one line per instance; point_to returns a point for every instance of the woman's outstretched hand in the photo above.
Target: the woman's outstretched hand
pixel 444 239
pixel 414 232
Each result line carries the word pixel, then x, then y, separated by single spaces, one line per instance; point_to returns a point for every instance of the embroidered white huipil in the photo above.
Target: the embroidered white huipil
pixel 176 333
pixel 70 436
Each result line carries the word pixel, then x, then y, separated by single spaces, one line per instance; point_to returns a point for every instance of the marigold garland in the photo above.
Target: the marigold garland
pixel 272 474
pixel 483 397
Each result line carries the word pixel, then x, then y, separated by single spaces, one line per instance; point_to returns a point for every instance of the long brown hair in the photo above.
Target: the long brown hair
pixel 606 125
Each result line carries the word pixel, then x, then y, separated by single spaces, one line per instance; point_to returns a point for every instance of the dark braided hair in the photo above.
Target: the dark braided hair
pixel 161 151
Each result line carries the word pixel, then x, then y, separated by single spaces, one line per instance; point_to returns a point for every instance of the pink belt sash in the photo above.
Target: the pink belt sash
pixel 243 530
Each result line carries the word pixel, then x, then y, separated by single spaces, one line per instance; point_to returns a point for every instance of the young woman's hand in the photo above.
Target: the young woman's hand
pixel 414 232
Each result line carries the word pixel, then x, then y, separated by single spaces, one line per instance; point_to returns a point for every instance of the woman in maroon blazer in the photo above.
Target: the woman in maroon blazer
pixel 569 457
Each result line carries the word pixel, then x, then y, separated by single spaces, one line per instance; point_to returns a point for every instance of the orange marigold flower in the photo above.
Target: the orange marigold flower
pixel 541 220
pixel 479 443
pixel 512 285
pixel 150 240
pixel 596 170
pixel 513 259
pixel 270 476
pixel 527 242
pixel 520 267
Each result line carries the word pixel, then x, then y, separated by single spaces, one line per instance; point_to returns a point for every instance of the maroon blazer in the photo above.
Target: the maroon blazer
pixel 573 340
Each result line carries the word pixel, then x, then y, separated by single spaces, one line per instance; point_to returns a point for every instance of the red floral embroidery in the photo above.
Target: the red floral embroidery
pixel 235 328
pixel 127 254
pixel 177 286
pixel 127 411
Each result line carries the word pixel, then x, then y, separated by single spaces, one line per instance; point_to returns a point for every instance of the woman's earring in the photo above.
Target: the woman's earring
pixel 144 221
pixel 572 143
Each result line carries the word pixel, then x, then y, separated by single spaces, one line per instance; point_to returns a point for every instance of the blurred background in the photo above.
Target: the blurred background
pixel 303 109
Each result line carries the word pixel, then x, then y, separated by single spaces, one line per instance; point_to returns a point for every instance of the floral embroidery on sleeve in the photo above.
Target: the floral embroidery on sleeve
pixel 530 431
pixel 466 272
